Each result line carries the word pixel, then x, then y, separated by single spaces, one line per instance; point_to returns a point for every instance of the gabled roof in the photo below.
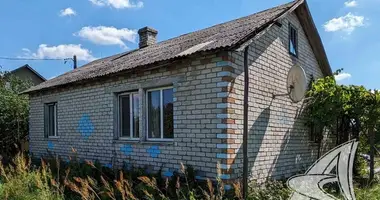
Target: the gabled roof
pixel 229 35
pixel 26 66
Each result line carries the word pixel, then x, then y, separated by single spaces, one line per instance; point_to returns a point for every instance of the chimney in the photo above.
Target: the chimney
pixel 147 37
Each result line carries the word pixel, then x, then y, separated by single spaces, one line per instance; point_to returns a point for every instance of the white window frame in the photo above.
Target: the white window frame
pixel 54 104
pixel 161 115
pixel 131 122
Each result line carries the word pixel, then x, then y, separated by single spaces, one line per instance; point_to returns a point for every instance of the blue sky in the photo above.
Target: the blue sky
pixel 98 28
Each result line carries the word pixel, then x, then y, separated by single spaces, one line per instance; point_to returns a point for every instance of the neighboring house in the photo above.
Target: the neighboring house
pixel 27 73
pixel 181 100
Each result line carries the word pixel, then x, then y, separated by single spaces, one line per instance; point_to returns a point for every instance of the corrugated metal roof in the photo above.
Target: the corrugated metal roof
pixel 223 35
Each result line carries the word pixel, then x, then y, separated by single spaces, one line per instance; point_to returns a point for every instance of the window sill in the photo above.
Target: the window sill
pixel 53 138
pixel 159 142
pixel 126 140
pixel 131 141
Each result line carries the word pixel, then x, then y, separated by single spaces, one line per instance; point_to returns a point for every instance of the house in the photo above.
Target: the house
pixel 181 100
pixel 27 73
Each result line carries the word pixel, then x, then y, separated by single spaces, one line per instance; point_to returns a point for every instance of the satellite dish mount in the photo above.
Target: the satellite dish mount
pixel 296 84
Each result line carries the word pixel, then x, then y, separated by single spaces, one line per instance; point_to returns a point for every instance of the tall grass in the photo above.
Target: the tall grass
pixel 54 179
pixel 20 181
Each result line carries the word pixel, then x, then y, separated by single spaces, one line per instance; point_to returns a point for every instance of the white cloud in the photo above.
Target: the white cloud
pixel 98 2
pixel 118 4
pixel 342 76
pixel 67 12
pixel 351 3
pixel 104 35
pixel 60 52
pixel 346 23
pixel 26 50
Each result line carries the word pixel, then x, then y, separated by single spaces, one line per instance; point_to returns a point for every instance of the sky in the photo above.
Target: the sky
pixel 94 29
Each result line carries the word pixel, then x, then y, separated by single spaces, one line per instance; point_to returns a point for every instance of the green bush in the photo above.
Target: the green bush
pixel 271 190
pixel 14 109
pixel 20 182
pixel 368 193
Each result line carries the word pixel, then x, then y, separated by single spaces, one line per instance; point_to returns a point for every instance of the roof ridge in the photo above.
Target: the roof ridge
pixel 224 35
pixel 236 19
pixel 290 4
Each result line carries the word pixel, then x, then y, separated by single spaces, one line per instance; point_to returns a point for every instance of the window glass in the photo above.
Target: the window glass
pixel 154 114
pixel 136 119
pixel 293 37
pixel 129 115
pixel 160 114
pixel 168 113
pixel 125 116
pixel 50 119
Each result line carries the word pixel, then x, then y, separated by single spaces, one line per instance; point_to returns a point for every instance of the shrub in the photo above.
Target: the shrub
pixel 14 109
pixel 20 182
pixel 90 181
pixel 271 190
pixel 368 192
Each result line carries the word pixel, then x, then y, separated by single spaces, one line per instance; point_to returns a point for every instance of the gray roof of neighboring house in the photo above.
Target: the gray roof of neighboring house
pixel 27 73
pixel 222 36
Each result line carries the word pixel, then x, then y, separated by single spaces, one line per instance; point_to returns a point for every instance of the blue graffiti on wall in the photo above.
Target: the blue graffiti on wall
pixel 168 173
pixel 154 151
pixel 85 126
pixel 126 149
pixel 109 165
pixel 227 187
pixel 50 145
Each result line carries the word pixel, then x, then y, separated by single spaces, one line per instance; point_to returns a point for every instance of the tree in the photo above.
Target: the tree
pixel 14 111
pixel 348 111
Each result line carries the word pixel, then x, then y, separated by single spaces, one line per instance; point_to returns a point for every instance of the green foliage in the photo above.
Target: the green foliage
pixel 271 190
pixel 343 110
pixel 55 181
pixel 14 111
pixel 329 101
pixel 20 182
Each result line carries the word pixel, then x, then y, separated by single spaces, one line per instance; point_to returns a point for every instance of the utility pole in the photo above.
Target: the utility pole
pixel 75 61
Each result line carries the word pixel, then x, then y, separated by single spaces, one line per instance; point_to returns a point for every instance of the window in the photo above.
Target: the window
pixel 129 115
pixel 160 114
pixel 293 40
pixel 51 120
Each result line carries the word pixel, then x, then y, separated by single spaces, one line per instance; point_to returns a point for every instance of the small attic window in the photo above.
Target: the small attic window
pixel 293 40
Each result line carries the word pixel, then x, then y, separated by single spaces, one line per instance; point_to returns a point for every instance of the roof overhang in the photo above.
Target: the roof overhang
pixel 306 20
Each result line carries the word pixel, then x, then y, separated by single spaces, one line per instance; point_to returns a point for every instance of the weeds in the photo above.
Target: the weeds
pixel 21 182
pixel 55 179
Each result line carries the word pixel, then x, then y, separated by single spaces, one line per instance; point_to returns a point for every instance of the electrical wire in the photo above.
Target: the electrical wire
pixel 46 59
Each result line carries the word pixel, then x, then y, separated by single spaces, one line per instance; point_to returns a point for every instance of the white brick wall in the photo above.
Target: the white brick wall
pixel 279 144
pixel 196 124
pixel 208 114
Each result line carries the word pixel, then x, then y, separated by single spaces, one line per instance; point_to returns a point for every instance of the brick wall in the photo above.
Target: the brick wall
pixel 279 144
pixel 208 114
pixel 198 96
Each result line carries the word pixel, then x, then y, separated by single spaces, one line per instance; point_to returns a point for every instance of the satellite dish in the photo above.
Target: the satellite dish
pixel 296 83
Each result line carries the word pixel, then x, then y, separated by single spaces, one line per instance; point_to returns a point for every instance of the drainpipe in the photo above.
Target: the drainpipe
pixel 245 131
